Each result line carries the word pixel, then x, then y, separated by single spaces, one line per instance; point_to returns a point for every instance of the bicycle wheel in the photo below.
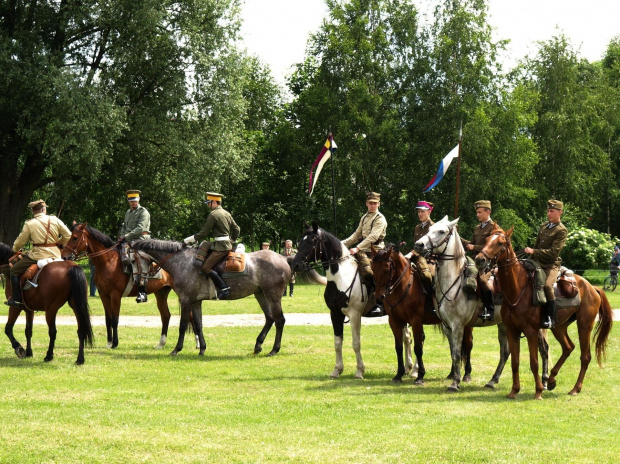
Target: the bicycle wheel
pixel 607 284
pixel 614 283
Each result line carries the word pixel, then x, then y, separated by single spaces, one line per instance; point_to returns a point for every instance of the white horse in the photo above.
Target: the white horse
pixel 454 307
pixel 345 294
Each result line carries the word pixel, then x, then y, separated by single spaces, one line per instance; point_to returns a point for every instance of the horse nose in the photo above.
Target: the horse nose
pixel 481 261
pixel 418 247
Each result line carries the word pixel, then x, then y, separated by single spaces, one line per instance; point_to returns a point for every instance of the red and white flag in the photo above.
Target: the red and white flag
pixel 326 153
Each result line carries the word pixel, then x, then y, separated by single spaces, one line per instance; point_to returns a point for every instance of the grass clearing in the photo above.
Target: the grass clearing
pixel 137 404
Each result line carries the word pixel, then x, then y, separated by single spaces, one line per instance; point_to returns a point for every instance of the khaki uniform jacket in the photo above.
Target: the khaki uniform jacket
pixel 421 230
pixel 136 222
pixel 291 252
pixel 370 231
pixel 219 224
pixel 480 236
pixel 548 245
pixel 35 231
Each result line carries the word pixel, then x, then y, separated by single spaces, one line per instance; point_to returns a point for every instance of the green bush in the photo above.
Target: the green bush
pixel 587 249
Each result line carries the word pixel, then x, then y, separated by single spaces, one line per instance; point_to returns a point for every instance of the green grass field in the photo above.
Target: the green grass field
pixel 136 404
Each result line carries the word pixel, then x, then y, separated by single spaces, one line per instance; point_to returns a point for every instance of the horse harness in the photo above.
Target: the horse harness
pixel 389 288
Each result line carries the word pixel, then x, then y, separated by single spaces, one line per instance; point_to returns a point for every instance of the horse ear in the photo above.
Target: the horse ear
pixel 315 227
pixel 373 250
pixel 510 231
pixel 445 219
pixel 451 224
pixel 306 226
pixel 389 253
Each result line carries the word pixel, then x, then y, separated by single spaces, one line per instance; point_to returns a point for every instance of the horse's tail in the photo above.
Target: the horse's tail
pixel 310 275
pixel 79 299
pixel 603 326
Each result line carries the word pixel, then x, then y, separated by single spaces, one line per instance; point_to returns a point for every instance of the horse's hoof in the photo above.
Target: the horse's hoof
pixel 397 380
pixel 467 378
pixel 490 385
pixel 20 352
pixel 48 358
pixel 159 346
pixel 452 389
pixel 272 353
pixel 174 353
pixel 201 353
pixel 109 345
pixel 551 385
pixel 573 392
pixel 79 362
pixel 538 397
pixel 511 396
pixel 419 382
pixel 257 349
pixel 359 376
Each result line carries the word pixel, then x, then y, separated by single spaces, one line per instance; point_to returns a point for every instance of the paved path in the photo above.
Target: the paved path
pixel 227 320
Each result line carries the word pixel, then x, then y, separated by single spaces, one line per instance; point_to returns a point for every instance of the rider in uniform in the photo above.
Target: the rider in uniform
pixel 47 233
pixel 225 231
pixel 370 231
pixel 289 251
pixel 136 226
pixel 546 250
pixel 481 233
pixel 424 210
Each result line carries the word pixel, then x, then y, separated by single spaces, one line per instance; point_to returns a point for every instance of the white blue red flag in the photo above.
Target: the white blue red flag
pixel 443 167
pixel 328 149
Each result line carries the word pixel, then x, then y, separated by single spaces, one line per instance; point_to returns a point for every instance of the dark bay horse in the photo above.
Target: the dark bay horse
pixel 112 282
pixel 400 289
pixel 268 273
pixel 58 283
pixel 521 317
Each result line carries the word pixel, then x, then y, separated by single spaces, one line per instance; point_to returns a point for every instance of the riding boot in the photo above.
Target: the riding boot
pixel 141 298
pixel 488 312
pixel 550 315
pixel 16 296
pixel 376 311
pixel 223 290
pixel 290 291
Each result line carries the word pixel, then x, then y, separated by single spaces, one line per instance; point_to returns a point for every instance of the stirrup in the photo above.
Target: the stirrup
pixel 376 311
pixel 547 324
pixel 12 302
pixel 486 316
pixel 223 293
pixel 141 298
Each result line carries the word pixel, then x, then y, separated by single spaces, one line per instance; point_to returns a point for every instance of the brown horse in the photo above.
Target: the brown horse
pixel 521 316
pixel 400 289
pixel 58 283
pixel 112 282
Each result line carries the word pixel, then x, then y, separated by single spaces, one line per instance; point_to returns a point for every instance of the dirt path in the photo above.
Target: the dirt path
pixel 224 320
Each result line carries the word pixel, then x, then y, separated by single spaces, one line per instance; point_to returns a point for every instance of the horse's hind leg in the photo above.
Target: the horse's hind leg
pixel 543 349
pixel 456 343
pixel 269 321
pixel 411 369
pixel 418 339
pixel 567 345
pixel 186 310
pixel 14 312
pixel 161 296
pixel 532 343
pixel 50 317
pixel 355 318
pixel 398 329
pixel 586 355
pixel 504 354
pixel 279 322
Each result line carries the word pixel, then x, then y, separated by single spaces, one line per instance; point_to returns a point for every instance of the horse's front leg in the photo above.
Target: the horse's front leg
pixel 161 296
pixel 456 342
pixel 338 326
pixel 515 347
pixel 543 348
pixel 28 332
pixel 532 343
pixel 411 368
pixel 185 313
pixel 355 318
pixel 197 311
pixel 504 353
pixel 466 349
pixel 398 328
pixel 418 340
pixel 14 312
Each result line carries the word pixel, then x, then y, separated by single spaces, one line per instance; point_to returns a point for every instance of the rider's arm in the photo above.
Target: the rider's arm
pixel 206 230
pixel 234 230
pixel 144 219
pixel 551 254
pixel 356 237
pixel 64 234
pixel 22 239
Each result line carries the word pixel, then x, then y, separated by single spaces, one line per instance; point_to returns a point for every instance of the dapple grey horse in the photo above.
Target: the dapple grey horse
pixel 454 307
pixel 267 275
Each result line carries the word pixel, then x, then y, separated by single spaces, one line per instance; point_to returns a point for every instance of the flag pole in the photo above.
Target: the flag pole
pixel 331 138
pixel 458 175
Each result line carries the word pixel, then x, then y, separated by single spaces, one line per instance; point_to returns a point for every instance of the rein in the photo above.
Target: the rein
pixel 389 288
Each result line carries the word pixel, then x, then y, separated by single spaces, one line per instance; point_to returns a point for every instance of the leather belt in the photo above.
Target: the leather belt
pixel 222 238
pixel 146 233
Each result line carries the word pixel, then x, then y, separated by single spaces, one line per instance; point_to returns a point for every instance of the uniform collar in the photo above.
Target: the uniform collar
pixel 425 224
pixel 485 223
pixel 38 215
pixel 551 225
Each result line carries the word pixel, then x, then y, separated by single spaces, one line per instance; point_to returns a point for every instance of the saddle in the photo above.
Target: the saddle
pixel 29 279
pixel 130 267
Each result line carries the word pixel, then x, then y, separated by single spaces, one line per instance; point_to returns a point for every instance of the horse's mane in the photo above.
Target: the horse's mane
pixel 100 236
pixel 332 244
pixel 459 250
pixel 382 254
pixel 157 245
pixel 6 252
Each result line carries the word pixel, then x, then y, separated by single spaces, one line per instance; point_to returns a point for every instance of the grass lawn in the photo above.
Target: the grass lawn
pixel 136 404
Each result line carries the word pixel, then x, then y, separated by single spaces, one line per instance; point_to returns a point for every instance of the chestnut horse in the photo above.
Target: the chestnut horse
pixel 521 316
pixel 58 283
pixel 400 289
pixel 112 282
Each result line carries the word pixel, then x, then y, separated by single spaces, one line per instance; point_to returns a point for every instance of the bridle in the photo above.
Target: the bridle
pixel 313 259
pixel 442 255
pixel 389 286
pixel 82 240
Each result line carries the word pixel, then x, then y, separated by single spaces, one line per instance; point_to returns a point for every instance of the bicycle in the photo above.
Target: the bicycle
pixel 611 281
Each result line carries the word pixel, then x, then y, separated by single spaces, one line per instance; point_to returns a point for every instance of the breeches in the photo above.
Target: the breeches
pixel 363 259
pixel 22 266
pixel 484 281
pixel 552 276
pixel 212 260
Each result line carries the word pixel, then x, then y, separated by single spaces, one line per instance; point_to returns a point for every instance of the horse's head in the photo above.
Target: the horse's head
pixel 309 249
pixel 6 251
pixel 77 243
pixel 497 244
pixel 383 265
pixel 437 238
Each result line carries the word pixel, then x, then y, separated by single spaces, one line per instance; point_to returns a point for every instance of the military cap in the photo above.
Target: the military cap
pixel 38 203
pixel 133 195
pixel 373 196
pixel 482 204
pixel 555 204
pixel 266 243
pixel 212 196
pixel 425 205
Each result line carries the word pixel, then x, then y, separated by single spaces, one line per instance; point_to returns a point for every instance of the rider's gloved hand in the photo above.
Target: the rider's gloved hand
pixel 121 239
pixel 189 240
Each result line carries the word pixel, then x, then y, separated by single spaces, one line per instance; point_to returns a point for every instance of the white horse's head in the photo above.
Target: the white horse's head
pixel 437 238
